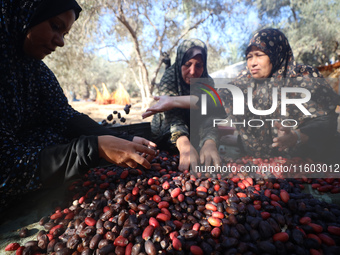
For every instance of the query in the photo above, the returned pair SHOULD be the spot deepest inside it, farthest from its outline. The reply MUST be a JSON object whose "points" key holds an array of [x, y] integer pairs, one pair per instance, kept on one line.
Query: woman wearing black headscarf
{"points": [[43, 139], [271, 64], [173, 128]]}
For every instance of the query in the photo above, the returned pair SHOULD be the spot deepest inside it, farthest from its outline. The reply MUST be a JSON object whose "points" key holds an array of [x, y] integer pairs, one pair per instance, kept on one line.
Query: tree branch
{"points": [[189, 29], [154, 76], [121, 17], [114, 46]]}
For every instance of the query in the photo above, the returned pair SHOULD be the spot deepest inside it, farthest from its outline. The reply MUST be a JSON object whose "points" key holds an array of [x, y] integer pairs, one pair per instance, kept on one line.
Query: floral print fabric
{"points": [[285, 73], [33, 108]]}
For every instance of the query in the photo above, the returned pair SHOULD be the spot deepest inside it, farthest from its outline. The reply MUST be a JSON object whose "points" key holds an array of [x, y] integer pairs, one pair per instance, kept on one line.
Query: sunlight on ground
{"points": [[99, 112]]}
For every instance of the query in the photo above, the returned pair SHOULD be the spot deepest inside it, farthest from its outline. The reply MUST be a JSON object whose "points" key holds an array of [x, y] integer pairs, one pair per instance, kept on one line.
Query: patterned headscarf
{"points": [[33, 108], [17, 16], [285, 73], [274, 43], [50, 8], [176, 122], [173, 75]]}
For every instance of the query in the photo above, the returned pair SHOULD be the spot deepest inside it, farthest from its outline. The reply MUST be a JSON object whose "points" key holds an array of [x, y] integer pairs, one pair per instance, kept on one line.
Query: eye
{"points": [[200, 65], [54, 26]]}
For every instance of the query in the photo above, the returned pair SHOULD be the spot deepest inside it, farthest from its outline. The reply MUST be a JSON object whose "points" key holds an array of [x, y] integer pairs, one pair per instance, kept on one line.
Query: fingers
{"points": [[211, 158], [137, 159], [143, 147], [280, 143], [131, 163], [184, 161], [216, 159], [145, 142], [149, 143], [275, 143], [205, 159], [142, 153], [193, 165], [143, 162], [282, 128], [202, 158], [277, 125], [148, 113], [149, 157], [152, 144], [183, 165]]}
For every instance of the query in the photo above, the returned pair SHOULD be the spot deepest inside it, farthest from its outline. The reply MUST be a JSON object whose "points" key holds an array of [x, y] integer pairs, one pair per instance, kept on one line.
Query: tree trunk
{"points": [[144, 75]]}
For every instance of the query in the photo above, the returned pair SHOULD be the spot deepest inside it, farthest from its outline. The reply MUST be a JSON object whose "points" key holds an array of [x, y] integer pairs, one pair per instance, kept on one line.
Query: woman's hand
{"points": [[143, 141], [286, 137], [165, 103], [149, 144], [209, 154], [188, 155], [123, 152]]}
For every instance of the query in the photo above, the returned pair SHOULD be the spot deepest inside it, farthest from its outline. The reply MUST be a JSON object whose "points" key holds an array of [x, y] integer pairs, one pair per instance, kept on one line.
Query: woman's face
{"points": [[192, 69], [258, 63], [42, 39]]}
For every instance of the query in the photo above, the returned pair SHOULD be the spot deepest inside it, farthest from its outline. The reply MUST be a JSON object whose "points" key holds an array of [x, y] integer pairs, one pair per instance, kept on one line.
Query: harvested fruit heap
{"points": [[164, 211]]}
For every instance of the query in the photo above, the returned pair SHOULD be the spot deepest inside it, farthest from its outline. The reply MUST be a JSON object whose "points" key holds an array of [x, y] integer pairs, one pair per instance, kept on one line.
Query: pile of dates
{"points": [[164, 211], [323, 177]]}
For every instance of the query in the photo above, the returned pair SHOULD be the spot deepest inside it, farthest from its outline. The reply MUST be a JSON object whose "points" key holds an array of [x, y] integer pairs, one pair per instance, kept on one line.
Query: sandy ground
{"points": [[100, 112]]}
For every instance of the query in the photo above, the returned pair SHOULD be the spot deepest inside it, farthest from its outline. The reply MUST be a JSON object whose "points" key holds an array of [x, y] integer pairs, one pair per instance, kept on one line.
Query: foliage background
{"points": [[121, 42]]}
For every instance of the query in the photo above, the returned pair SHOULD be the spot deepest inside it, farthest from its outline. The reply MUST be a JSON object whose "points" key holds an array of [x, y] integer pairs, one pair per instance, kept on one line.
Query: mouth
{"points": [[254, 71], [49, 50], [191, 77]]}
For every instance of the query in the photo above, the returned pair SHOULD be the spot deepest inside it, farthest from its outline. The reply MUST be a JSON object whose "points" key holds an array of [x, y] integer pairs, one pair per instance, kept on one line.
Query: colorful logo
{"points": [[209, 93]]}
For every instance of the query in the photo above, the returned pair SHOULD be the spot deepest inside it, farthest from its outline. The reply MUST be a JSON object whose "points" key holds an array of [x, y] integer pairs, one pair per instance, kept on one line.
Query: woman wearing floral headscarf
{"points": [[271, 64], [171, 128], [43, 139]]}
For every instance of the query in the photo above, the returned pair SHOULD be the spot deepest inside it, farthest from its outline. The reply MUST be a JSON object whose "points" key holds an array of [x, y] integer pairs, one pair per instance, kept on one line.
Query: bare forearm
{"points": [[183, 143], [185, 102], [167, 103]]}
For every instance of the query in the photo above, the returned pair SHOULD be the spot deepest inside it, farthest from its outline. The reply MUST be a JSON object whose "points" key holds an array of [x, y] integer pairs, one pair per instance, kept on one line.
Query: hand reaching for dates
{"points": [[149, 144], [287, 138], [188, 158], [125, 153], [188, 155], [209, 154]]}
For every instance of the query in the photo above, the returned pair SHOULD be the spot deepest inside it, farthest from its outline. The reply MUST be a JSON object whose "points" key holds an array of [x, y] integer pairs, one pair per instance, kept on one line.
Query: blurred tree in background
{"points": [[123, 41], [72, 64], [310, 25]]}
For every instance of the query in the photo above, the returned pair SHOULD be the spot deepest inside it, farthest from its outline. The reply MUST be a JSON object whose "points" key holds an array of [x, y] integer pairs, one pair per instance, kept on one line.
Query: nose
{"points": [[59, 40], [192, 69], [253, 61]]}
